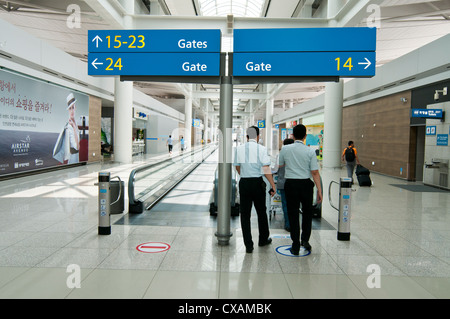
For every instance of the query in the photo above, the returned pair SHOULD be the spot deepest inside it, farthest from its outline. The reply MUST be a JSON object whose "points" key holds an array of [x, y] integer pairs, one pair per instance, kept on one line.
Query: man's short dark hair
{"points": [[288, 141], [252, 132], [299, 132], [350, 143]]}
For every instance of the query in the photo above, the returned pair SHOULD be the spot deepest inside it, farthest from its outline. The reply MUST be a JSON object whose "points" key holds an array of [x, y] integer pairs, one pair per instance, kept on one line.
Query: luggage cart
{"points": [[273, 204]]}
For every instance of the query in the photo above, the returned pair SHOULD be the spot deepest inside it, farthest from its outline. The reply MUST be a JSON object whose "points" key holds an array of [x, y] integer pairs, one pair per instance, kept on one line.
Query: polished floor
{"points": [[50, 248]]}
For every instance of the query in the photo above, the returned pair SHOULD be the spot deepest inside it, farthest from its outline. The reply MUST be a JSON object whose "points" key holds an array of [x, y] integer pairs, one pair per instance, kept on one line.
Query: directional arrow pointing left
{"points": [[95, 63]]}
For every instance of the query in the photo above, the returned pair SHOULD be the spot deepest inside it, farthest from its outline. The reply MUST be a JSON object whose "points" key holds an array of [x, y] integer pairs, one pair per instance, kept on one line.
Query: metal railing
{"points": [[152, 193]]}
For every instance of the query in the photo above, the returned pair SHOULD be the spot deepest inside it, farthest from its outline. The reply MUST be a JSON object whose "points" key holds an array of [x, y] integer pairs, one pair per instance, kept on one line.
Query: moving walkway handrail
{"points": [[131, 180]]}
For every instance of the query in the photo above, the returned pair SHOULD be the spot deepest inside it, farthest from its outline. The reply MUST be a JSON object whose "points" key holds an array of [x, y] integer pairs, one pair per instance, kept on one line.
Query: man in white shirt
{"points": [[252, 162], [301, 165]]}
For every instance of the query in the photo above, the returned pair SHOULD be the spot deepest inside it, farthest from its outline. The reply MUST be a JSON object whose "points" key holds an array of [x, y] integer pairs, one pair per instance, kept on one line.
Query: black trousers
{"points": [[299, 191], [253, 192]]}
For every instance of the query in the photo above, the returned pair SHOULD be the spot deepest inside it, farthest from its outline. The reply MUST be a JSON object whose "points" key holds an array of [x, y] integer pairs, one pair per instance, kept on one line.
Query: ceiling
{"points": [[404, 26]]}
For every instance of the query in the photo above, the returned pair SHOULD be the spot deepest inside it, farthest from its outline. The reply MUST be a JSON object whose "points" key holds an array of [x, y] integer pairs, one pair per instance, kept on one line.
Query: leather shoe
{"points": [[267, 242], [306, 245], [249, 250], [294, 252]]}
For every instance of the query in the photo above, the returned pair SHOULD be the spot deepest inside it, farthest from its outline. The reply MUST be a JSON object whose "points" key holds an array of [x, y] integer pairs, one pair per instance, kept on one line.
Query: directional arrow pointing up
{"points": [[367, 62], [96, 40]]}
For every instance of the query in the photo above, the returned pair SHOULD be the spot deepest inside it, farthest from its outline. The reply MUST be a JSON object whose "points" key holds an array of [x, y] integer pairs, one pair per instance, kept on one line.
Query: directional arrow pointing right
{"points": [[367, 62]]}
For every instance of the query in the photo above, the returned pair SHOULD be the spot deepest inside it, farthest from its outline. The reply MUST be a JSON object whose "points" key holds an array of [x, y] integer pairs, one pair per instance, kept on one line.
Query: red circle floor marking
{"points": [[153, 247]]}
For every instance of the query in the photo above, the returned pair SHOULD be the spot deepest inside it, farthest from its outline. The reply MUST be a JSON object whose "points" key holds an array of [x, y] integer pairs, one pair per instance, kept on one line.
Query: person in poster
{"points": [[68, 144]]}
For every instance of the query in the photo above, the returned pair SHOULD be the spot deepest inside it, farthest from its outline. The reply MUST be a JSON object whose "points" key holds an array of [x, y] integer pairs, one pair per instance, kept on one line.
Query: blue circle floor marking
{"points": [[285, 251]]}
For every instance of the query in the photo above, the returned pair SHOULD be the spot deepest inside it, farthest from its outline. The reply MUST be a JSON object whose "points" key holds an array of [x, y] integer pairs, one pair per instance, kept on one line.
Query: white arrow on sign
{"points": [[367, 62], [95, 63], [96, 40]]}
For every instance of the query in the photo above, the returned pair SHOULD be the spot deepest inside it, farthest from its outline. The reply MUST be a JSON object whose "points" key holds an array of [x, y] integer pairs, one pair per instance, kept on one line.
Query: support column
{"points": [[188, 120], [334, 101], [206, 134], [268, 130], [253, 104], [223, 233], [123, 121], [213, 128]]}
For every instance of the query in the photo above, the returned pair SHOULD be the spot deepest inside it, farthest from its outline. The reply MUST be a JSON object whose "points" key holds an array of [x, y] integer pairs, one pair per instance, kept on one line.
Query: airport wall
{"points": [[380, 129]]}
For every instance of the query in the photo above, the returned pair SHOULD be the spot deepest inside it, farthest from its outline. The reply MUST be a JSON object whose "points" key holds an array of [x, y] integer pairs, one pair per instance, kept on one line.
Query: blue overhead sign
{"points": [[154, 40], [261, 124], [304, 40], [427, 113], [340, 52], [342, 64], [309, 52], [154, 64], [154, 52], [196, 122]]}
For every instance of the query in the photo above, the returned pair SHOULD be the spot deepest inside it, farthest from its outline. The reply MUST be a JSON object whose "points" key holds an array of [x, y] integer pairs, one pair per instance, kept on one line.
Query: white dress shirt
{"points": [[251, 157]]}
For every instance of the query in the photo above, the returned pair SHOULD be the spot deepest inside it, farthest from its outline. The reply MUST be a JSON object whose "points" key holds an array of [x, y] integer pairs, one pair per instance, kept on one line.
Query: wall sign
{"points": [[442, 140], [430, 130], [427, 113]]}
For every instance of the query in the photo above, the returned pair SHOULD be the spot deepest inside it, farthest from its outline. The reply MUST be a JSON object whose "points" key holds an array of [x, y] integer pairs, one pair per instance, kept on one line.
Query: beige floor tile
{"points": [[310, 286], [391, 287], [114, 284], [184, 285], [245, 285]]}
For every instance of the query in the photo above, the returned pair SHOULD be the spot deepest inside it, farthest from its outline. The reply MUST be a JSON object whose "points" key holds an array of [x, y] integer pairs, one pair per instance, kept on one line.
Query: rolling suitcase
{"points": [[364, 180], [363, 176], [361, 170]]}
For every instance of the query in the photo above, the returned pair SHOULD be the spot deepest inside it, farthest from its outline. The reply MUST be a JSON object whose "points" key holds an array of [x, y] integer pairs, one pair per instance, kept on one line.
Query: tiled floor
{"points": [[48, 236]]}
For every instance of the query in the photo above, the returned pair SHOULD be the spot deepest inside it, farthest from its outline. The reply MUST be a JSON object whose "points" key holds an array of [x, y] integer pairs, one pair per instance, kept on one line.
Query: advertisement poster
{"points": [[41, 125]]}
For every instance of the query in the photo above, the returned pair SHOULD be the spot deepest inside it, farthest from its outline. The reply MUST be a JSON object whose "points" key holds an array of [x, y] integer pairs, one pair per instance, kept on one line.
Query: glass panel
{"points": [[241, 8]]}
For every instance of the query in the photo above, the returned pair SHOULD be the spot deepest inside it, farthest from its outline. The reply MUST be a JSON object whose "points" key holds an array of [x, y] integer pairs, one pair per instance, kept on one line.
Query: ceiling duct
{"points": [[164, 7], [146, 4], [230, 24]]}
